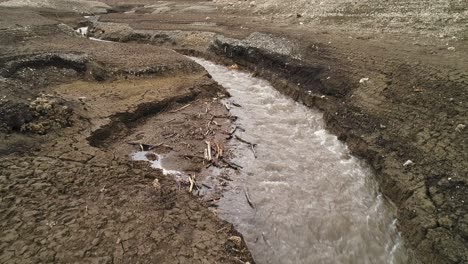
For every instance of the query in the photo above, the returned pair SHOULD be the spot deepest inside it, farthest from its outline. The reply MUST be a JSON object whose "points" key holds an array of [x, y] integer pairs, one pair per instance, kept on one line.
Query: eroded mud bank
{"points": [[406, 119], [429, 190]]}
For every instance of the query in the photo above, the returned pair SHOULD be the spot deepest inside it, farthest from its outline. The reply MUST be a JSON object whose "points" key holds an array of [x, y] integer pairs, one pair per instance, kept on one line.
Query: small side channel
{"points": [[312, 202]]}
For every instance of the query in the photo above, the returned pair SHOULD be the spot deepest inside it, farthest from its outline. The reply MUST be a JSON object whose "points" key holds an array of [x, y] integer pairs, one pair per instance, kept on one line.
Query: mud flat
{"points": [[66, 195]]}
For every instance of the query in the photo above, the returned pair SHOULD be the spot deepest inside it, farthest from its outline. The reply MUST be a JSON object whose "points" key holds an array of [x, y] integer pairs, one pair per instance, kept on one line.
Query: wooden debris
{"points": [[232, 164], [231, 134], [219, 151], [226, 178], [182, 108], [206, 186], [253, 150], [208, 151], [252, 145], [191, 183], [227, 226], [247, 196], [170, 135]]}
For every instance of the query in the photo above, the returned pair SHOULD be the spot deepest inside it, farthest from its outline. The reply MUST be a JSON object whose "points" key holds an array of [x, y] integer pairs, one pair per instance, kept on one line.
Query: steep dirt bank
{"points": [[66, 196], [424, 177], [402, 107]]}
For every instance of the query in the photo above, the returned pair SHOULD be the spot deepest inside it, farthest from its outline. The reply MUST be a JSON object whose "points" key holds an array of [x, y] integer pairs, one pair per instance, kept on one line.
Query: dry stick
{"points": [[253, 150], [234, 131], [191, 183], [246, 192], [222, 229], [219, 151], [208, 150], [182, 108], [206, 186], [232, 165]]}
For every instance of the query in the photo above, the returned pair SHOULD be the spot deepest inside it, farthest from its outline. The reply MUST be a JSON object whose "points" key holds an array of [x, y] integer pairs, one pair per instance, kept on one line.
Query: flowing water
{"points": [[314, 202]]}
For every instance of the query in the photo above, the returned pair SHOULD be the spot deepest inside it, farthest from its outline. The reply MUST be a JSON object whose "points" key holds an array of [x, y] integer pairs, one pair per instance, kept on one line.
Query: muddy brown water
{"points": [[314, 202]]}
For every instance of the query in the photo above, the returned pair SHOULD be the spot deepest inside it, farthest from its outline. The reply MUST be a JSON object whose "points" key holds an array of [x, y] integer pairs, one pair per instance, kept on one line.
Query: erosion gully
{"points": [[302, 197], [312, 202]]}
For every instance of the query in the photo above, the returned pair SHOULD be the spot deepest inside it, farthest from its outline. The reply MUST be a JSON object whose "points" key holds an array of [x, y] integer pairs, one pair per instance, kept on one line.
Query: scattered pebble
{"points": [[460, 128], [408, 163], [236, 240], [156, 184], [363, 80]]}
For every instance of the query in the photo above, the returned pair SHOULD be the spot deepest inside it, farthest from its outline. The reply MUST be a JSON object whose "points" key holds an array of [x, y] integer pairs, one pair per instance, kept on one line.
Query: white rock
{"points": [[408, 163], [363, 80]]}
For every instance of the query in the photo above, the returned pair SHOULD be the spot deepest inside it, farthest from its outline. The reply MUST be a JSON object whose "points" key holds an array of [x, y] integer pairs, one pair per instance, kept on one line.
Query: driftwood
{"points": [[206, 186], [247, 196], [231, 134], [231, 164], [179, 109], [191, 183], [170, 135], [226, 178], [219, 151], [208, 151], [252, 145]]}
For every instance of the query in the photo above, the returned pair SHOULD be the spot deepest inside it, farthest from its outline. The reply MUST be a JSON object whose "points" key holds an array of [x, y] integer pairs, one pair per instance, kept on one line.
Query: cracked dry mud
{"points": [[70, 194], [66, 195]]}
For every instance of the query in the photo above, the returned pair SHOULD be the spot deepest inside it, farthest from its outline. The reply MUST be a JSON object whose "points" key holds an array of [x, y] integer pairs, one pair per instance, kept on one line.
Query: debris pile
{"points": [[48, 112]]}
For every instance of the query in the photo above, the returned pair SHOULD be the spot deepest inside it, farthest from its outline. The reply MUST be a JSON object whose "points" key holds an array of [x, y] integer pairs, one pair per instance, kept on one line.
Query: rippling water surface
{"points": [[314, 202]]}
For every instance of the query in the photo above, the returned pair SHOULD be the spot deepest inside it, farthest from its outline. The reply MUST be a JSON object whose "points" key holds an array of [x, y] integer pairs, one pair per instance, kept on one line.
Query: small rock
{"points": [[451, 48], [156, 184], [151, 156], [460, 127], [236, 240], [408, 163], [363, 80]]}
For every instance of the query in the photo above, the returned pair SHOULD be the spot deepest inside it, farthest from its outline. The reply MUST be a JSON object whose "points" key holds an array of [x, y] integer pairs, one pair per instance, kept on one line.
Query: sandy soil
{"points": [[398, 99]]}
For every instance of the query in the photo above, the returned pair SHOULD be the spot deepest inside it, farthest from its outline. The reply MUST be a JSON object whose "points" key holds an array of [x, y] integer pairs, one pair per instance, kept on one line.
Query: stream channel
{"points": [[314, 202]]}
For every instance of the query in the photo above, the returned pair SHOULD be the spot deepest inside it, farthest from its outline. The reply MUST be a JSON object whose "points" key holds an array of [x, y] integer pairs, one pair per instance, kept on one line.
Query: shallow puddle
{"points": [[314, 202], [155, 160]]}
